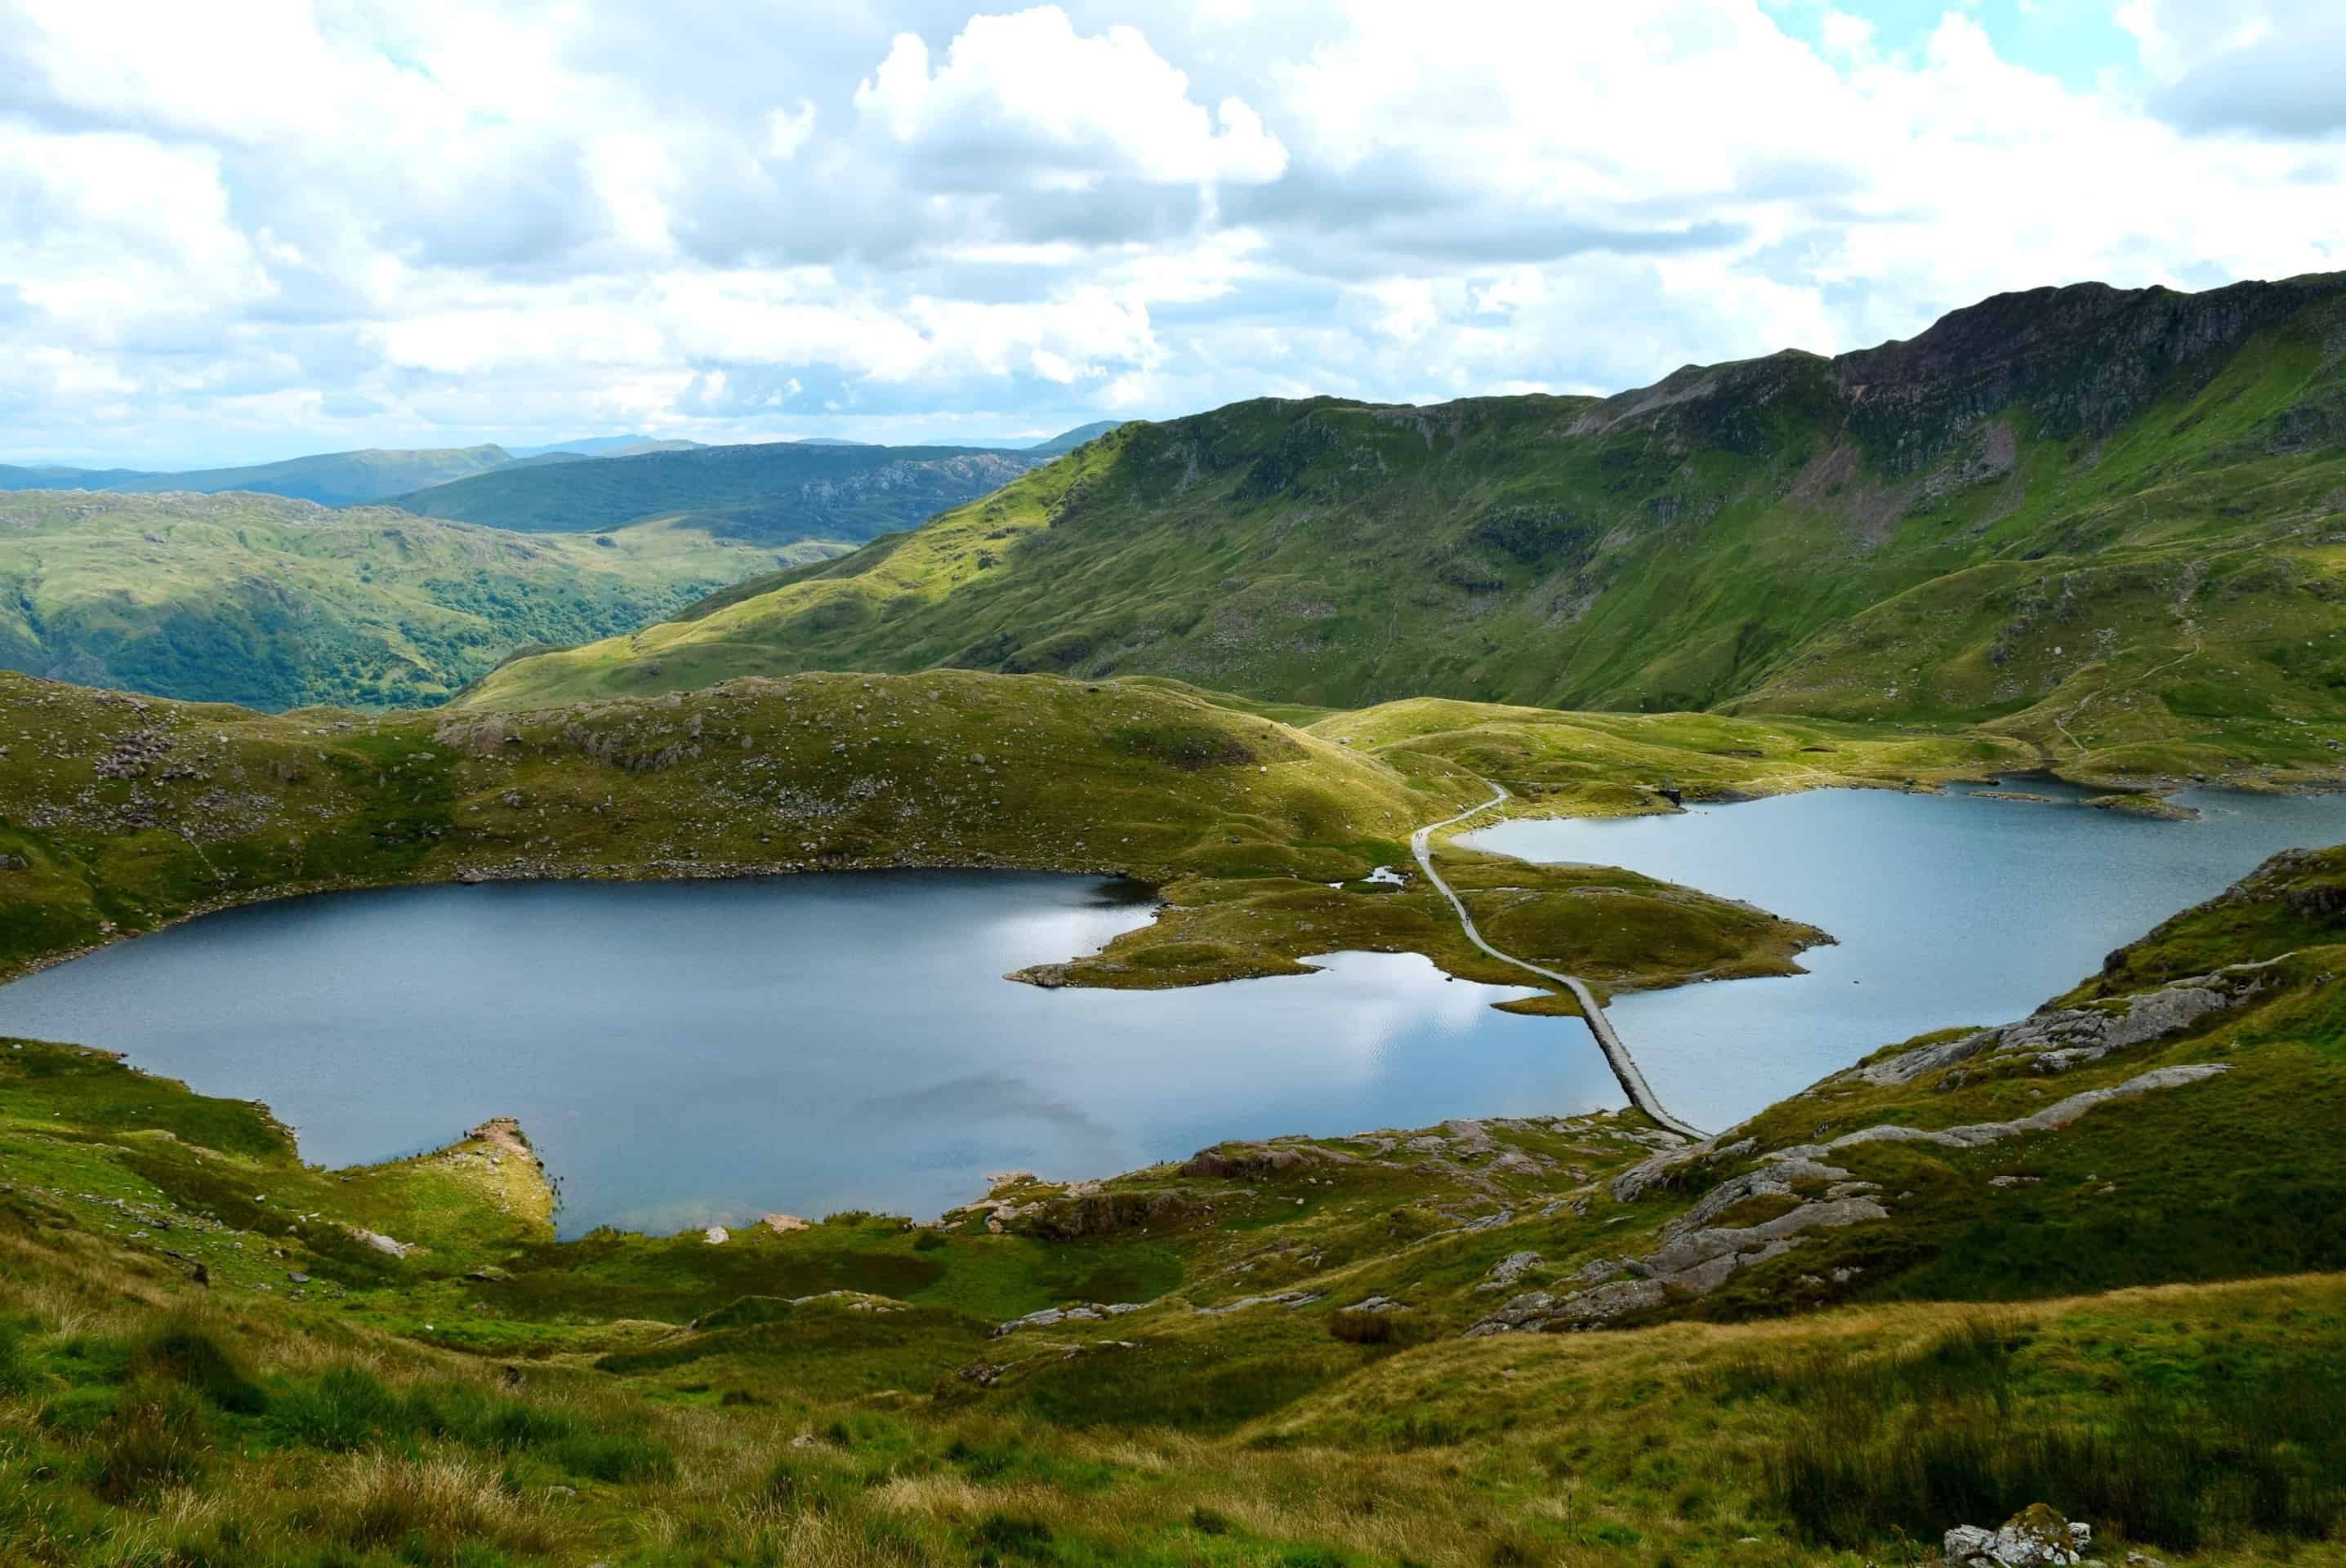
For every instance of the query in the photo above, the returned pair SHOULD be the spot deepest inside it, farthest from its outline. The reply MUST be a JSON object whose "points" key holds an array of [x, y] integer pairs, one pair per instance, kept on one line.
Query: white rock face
{"points": [[716, 1236]]}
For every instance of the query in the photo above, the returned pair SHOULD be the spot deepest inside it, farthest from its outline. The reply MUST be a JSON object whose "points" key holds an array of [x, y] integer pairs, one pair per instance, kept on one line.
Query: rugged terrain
{"points": [[277, 603], [1822, 1336], [2110, 522]]}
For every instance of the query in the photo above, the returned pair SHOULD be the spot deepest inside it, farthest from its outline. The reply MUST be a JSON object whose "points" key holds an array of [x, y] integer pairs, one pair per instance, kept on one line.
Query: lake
{"points": [[1950, 909], [693, 1052]]}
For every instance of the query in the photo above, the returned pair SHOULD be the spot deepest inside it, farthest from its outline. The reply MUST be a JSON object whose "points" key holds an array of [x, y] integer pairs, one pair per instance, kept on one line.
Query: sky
{"points": [[232, 234]]}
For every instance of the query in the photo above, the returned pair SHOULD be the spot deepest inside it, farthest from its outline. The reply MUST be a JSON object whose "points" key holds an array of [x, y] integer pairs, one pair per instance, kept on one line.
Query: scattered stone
{"points": [[1290, 1299]]}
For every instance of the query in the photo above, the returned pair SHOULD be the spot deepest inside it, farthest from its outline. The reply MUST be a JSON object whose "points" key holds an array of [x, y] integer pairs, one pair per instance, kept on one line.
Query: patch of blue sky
{"points": [[2077, 42]]}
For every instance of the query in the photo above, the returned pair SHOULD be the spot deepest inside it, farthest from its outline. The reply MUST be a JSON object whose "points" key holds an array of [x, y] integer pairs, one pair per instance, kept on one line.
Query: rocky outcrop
{"points": [[1509, 1270], [2083, 359], [2058, 1039], [1696, 1257], [1074, 1312], [1246, 1162], [2036, 1537], [1079, 1214], [2059, 1115]]}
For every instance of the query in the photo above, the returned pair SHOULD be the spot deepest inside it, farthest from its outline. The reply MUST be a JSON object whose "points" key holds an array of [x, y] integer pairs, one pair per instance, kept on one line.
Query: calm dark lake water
{"points": [[691, 1052], [1950, 909]]}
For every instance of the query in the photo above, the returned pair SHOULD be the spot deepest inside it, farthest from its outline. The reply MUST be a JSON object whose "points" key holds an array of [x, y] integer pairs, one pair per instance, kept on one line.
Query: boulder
{"points": [[2036, 1537]]}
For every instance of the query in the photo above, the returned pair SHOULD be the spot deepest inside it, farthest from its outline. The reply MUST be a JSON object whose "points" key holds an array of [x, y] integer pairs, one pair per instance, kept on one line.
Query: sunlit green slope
{"points": [[2083, 504]]}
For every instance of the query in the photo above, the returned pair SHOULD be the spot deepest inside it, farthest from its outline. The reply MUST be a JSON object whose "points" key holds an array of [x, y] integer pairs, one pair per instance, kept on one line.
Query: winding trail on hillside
{"points": [[1616, 1055]]}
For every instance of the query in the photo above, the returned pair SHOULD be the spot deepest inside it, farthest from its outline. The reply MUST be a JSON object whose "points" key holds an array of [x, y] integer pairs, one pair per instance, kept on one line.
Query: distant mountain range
{"points": [[113, 578], [774, 493], [331, 479], [355, 478]]}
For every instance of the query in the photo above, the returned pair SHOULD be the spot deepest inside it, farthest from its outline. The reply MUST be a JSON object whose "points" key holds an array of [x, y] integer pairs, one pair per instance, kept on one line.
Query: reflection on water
{"points": [[690, 1051], [1950, 909]]}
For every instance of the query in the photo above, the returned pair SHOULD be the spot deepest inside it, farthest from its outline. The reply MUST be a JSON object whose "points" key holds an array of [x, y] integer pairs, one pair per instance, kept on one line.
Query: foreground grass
{"points": [[138, 1427]]}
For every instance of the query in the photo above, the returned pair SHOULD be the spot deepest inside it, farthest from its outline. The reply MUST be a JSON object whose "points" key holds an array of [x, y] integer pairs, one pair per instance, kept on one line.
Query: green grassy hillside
{"points": [[276, 602], [774, 493], [2109, 522], [1813, 1341], [126, 813]]}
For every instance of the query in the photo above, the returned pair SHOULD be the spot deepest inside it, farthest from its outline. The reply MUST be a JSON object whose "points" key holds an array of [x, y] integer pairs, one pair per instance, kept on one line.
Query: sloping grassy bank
{"points": [[119, 814]]}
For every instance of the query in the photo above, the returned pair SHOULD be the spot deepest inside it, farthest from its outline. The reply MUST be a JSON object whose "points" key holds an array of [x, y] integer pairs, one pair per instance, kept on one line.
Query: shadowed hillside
{"points": [[774, 493]]}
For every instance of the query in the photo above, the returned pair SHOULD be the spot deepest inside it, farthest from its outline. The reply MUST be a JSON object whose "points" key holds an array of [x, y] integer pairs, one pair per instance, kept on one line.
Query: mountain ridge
{"points": [[2116, 463]]}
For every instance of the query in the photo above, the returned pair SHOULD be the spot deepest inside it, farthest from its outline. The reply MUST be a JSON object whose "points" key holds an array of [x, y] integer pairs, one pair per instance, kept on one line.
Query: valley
{"points": [[1224, 802], [281, 603]]}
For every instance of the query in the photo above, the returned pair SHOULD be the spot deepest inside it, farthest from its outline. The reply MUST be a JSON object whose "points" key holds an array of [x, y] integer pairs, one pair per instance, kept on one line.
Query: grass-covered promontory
{"points": [[119, 814], [1821, 1340], [277, 603], [2111, 524]]}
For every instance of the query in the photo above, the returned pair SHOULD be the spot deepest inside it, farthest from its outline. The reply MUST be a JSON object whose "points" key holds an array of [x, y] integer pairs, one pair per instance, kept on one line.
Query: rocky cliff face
{"points": [[2083, 359]]}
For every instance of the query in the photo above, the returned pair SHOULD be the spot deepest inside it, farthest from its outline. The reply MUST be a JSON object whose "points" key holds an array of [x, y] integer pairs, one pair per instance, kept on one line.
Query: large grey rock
{"points": [[2036, 1537], [2058, 1039]]}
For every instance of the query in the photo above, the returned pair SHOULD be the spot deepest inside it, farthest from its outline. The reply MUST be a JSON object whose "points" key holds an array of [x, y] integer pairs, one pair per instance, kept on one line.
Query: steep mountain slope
{"points": [[277, 603], [330, 478], [774, 493], [2123, 508]]}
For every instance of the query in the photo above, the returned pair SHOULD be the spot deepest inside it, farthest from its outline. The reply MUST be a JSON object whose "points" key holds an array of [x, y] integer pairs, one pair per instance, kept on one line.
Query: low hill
{"points": [[774, 493], [2112, 521], [331, 478], [1068, 441], [53, 477], [276, 602]]}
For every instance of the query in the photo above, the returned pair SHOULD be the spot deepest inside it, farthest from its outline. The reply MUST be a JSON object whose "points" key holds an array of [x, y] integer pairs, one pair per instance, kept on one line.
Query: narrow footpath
{"points": [[1624, 1066]]}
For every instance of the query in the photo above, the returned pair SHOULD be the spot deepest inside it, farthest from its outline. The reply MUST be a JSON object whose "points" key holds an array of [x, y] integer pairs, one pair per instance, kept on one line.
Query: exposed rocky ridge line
{"points": [[2055, 1040], [1695, 1258]]}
